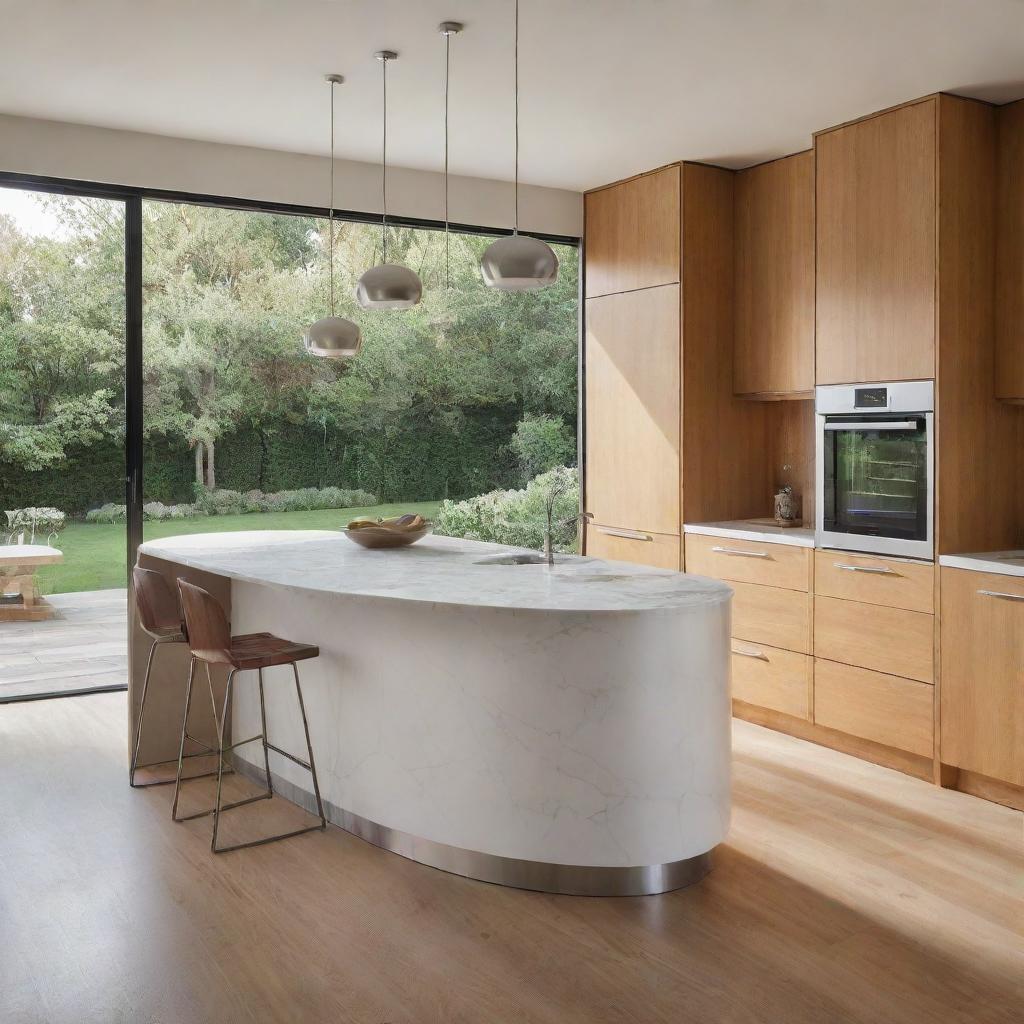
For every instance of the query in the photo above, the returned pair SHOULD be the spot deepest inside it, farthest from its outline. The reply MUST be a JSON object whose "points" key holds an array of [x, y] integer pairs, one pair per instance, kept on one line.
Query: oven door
{"points": [[875, 483]]}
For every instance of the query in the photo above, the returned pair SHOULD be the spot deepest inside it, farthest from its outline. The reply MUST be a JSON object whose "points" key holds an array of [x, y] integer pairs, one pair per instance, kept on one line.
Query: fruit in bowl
{"points": [[395, 532]]}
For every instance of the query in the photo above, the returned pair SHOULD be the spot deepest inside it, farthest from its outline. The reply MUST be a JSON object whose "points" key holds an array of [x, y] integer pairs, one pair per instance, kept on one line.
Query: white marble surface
{"points": [[436, 570], [1006, 563], [519, 720], [742, 529]]}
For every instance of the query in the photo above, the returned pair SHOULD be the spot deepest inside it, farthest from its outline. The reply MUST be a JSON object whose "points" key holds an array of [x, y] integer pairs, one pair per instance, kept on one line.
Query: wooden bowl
{"points": [[382, 537]]}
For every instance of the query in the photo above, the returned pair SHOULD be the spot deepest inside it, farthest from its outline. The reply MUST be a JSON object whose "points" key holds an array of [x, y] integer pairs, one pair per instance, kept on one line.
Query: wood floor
{"points": [[85, 647], [846, 892]]}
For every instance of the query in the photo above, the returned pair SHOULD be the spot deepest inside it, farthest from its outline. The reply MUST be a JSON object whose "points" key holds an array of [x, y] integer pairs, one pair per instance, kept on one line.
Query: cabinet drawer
{"points": [[774, 565], [883, 708], [893, 582], [770, 615], [658, 549], [770, 678], [891, 640]]}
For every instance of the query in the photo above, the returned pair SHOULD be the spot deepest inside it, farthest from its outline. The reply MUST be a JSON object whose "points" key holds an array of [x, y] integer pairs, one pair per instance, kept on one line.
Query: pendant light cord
{"points": [[516, 50], [384, 167], [330, 212], [447, 237]]}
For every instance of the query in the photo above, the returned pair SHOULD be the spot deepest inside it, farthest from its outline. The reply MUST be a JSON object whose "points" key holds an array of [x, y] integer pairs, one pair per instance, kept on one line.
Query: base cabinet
{"points": [[981, 702], [656, 549], [769, 677], [874, 706]]}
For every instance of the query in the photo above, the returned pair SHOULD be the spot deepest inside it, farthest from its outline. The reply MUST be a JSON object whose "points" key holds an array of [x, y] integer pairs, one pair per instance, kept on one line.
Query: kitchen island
{"points": [[559, 728]]}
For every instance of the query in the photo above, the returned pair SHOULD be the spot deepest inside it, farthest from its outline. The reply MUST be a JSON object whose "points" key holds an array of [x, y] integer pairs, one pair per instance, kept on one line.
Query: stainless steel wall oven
{"points": [[875, 468]]}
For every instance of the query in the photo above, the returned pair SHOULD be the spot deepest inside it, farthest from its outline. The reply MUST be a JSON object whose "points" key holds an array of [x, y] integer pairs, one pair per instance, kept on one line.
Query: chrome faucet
{"points": [[550, 527]]}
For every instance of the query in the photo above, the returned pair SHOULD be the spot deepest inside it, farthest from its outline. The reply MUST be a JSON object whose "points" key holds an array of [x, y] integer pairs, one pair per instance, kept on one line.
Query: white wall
{"points": [[62, 150]]}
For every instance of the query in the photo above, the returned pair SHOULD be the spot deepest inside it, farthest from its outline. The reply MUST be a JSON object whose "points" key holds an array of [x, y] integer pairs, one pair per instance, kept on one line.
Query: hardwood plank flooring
{"points": [[86, 646], [845, 893]]}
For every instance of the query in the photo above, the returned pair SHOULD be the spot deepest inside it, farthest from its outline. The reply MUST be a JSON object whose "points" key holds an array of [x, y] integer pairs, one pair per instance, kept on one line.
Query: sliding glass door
{"points": [[471, 391], [62, 444]]}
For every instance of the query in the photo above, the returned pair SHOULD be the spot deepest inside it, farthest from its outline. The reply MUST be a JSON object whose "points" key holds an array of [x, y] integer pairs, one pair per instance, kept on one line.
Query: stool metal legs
{"points": [[219, 807], [219, 721], [135, 766]]}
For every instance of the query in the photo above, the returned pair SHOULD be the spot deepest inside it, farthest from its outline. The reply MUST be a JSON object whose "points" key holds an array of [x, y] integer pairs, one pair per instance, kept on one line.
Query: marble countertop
{"points": [[436, 570], [1005, 563], [746, 529]]}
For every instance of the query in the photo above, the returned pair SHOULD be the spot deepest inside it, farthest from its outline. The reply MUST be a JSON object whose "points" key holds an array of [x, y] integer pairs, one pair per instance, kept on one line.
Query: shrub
{"points": [[109, 513], [541, 443], [158, 510], [45, 521], [515, 517]]}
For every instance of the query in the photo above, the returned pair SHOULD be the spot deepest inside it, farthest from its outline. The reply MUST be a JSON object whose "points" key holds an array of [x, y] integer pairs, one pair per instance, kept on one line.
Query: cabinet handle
{"points": [[740, 551], [877, 569], [758, 655], [1003, 594], [613, 531]]}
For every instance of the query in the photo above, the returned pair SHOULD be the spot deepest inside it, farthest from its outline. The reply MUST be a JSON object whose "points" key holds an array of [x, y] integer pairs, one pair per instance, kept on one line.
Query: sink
{"points": [[519, 558]]}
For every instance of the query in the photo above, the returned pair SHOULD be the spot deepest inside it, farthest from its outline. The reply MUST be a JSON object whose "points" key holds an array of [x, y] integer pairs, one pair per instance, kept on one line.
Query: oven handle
{"points": [[875, 425]]}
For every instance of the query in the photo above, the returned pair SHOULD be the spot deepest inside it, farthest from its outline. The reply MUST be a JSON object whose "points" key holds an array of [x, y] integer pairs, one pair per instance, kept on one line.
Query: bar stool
{"points": [[211, 642], [160, 619]]}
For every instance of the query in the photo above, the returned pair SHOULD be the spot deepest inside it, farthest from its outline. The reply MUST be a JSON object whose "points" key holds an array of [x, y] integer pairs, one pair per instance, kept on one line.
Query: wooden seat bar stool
{"points": [[160, 618], [211, 642]]}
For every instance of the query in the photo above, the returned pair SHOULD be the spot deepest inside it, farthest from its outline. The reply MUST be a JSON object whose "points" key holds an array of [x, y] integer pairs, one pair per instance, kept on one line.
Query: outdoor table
{"points": [[18, 565]]}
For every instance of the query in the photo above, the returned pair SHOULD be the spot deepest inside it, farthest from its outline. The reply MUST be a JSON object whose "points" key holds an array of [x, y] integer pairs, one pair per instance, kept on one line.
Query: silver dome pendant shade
{"points": [[518, 263], [333, 337], [387, 285]]}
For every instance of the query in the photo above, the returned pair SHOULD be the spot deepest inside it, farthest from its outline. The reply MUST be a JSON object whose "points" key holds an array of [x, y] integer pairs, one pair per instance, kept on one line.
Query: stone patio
{"points": [[85, 648]]}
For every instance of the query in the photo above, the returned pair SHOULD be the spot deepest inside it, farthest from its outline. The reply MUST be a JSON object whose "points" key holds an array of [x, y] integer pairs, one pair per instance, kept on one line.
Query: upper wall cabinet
{"points": [[876, 248], [1010, 255], [774, 253], [632, 234]]}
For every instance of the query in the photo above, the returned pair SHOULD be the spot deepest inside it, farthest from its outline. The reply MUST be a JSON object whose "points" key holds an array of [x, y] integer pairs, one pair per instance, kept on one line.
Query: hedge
{"points": [[411, 463]]}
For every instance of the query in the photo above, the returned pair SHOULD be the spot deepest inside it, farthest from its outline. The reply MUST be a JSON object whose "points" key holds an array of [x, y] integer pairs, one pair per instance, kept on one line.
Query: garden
{"points": [[459, 409]]}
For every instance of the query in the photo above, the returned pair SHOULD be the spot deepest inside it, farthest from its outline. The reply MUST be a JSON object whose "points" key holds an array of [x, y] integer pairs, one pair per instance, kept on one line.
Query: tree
{"points": [[227, 296]]}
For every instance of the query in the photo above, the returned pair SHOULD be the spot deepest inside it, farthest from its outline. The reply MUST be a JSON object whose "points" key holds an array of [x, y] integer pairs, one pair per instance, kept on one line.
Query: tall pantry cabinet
{"points": [[666, 440]]}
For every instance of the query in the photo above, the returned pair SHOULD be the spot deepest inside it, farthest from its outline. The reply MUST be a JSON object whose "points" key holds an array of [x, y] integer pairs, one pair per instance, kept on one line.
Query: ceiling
{"points": [[608, 87]]}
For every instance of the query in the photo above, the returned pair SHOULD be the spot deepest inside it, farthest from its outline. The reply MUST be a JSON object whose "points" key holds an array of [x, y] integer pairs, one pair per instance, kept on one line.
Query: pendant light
{"points": [[447, 29], [518, 263], [388, 285], [333, 337]]}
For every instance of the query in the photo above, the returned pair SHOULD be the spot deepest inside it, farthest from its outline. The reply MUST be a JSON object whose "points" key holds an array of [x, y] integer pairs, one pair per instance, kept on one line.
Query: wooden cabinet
{"points": [[876, 247], [1010, 254], [632, 234], [774, 254], [982, 682], [891, 640], [892, 582], [656, 549], [632, 403], [771, 678], [874, 706], [749, 561], [769, 615]]}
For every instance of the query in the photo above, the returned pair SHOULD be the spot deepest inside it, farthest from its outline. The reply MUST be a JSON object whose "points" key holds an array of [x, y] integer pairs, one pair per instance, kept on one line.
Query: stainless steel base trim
{"points": [[540, 876]]}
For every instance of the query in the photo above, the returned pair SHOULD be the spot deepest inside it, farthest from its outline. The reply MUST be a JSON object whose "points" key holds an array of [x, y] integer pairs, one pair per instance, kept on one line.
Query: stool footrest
{"points": [[291, 757], [268, 839], [224, 807], [242, 743]]}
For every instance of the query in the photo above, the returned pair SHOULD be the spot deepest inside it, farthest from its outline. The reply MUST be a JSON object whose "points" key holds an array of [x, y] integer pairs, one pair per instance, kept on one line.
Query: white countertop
{"points": [[438, 570], [745, 529], [1005, 563]]}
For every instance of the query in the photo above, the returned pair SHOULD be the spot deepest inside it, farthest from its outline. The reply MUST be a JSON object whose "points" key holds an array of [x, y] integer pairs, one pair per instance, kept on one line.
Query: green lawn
{"points": [[95, 556]]}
